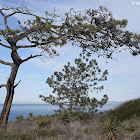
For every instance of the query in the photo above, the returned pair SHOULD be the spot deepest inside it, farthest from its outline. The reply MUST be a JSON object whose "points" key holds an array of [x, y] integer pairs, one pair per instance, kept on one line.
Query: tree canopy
{"points": [[95, 31], [72, 85]]}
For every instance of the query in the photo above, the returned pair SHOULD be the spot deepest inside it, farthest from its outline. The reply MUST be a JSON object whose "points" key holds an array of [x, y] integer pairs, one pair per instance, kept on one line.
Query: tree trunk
{"points": [[17, 61], [9, 97], [71, 104]]}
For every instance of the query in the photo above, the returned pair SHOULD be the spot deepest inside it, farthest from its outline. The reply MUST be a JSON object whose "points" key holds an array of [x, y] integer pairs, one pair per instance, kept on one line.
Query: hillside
{"points": [[123, 121]]}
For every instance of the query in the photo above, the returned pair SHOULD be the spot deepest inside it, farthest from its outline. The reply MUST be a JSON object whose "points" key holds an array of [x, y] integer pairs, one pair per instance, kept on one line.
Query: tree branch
{"points": [[43, 43], [21, 10], [5, 20], [29, 39], [5, 63], [26, 32], [27, 46], [13, 14], [30, 57], [17, 84], [5, 46], [2, 85]]}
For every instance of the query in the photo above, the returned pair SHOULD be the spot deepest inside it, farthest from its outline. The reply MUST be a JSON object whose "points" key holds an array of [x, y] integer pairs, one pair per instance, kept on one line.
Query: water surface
{"points": [[42, 109]]}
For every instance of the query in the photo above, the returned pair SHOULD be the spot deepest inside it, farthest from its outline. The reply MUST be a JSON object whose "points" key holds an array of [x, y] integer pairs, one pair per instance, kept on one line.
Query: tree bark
{"points": [[10, 85], [10, 89], [9, 98]]}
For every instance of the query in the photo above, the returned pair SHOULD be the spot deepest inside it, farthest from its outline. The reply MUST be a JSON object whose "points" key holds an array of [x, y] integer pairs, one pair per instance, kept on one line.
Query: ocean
{"points": [[42, 109]]}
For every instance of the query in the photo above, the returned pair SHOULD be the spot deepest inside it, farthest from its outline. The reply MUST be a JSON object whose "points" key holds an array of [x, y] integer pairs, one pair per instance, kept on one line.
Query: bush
{"points": [[82, 116], [64, 117], [43, 121], [127, 110], [19, 118]]}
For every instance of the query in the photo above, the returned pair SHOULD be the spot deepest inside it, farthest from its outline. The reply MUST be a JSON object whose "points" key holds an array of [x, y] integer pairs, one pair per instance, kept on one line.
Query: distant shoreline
{"points": [[108, 103]]}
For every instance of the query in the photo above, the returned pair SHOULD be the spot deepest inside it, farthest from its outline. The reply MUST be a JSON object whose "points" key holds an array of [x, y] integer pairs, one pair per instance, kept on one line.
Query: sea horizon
{"points": [[109, 102], [44, 109]]}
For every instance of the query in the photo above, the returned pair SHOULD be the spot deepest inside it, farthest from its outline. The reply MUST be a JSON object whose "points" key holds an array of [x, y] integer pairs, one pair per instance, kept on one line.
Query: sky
{"points": [[124, 73]]}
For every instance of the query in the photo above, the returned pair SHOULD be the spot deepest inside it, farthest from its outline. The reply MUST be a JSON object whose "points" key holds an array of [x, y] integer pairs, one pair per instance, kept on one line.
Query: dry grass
{"points": [[87, 127], [93, 128]]}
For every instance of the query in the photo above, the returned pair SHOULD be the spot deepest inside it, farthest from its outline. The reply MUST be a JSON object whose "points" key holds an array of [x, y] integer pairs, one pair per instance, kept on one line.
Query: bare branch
{"points": [[5, 20], [30, 57], [30, 40], [2, 13], [17, 84], [6, 63], [13, 14], [2, 85], [21, 10], [27, 46], [5, 46]]}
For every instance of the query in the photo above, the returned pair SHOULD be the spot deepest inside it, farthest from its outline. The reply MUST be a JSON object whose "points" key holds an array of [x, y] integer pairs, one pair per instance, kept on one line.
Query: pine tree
{"points": [[72, 85], [95, 31]]}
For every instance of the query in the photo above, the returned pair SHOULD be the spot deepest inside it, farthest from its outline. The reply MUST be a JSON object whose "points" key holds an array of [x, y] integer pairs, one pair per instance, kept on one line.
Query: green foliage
{"points": [[43, 121], [111, 124], [127, 110], [73, 84], [82, 116], [67, 117], [19, 118], [30, 115], [96, 31], [64, 117]]}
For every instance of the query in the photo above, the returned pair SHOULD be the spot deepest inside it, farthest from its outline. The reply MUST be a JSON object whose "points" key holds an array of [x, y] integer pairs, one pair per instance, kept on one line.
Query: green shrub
{"points": [[43, 121], [127, 110], [111, 124], [30, 115], [82, 116], [64, 117], [19, 118]]}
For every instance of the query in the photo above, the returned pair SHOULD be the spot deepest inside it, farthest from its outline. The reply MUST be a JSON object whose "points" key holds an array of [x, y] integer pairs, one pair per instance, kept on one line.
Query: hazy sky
{"points": [[124, 74]]}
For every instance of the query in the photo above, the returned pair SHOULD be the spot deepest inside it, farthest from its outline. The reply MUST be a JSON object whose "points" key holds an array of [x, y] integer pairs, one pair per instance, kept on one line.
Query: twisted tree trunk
{"points": [[10, 88], [10, 85], [9, 98]]}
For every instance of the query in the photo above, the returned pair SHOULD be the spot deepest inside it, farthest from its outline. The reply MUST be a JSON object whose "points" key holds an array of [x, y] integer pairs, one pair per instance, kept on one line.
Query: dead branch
{"points": [[2, 85], [17, 84], [27, 46], [6, 63], [5, 46], [30, 57], [5, 20]]}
